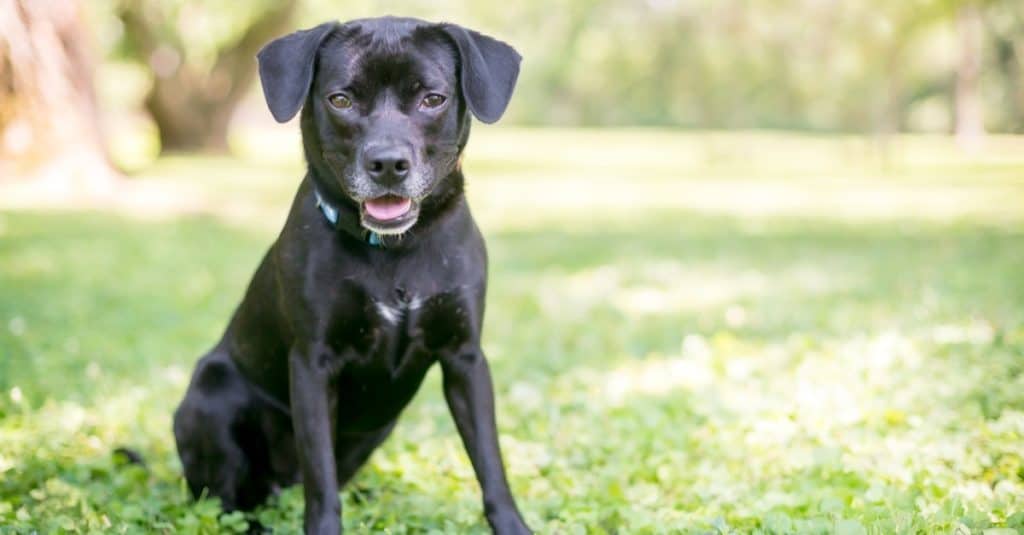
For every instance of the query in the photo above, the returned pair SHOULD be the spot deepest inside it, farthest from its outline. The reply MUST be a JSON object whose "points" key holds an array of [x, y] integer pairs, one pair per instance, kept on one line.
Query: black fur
{"points": [[334, 335]]}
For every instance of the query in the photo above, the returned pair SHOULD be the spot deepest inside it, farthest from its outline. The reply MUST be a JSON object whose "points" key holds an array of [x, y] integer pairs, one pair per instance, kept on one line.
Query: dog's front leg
{"points": [[470, 395], [312, 419]]}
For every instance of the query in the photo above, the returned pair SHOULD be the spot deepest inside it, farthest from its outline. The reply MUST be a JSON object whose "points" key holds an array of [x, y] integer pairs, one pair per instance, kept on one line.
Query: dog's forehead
{"points": [[387, 49], [387, 30]]}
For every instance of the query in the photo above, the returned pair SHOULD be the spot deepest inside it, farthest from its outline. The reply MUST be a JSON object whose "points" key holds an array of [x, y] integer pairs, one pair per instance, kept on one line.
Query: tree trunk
{"points": [[1013, 71], [1010, 69], [1016, 86], [49, 126], [192, 106], [969, 120]]}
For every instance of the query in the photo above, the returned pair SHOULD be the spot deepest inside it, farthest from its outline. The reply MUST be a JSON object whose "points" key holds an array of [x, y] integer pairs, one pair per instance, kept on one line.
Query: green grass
{"points": [[708, 333]]}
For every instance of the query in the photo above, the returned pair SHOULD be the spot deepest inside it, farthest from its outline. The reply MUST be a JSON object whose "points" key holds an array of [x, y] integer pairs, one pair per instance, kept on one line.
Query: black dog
{"points": [[379, 272]]}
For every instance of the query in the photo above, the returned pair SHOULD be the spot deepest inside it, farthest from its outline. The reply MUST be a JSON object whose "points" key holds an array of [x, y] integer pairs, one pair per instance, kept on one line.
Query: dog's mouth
{"points": [[389, 214]]}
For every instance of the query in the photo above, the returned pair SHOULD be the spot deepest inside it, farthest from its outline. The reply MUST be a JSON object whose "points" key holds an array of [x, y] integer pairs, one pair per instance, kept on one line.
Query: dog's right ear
{"points": [[286, 69]]}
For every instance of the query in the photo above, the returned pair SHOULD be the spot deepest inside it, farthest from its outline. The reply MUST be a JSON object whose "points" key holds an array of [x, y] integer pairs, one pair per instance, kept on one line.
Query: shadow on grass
{"points": [[89, 299]]}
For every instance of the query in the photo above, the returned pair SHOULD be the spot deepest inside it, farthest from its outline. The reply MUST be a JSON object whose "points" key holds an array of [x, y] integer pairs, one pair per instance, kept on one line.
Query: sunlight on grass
{"points": [[689, 332], [620, 174]]}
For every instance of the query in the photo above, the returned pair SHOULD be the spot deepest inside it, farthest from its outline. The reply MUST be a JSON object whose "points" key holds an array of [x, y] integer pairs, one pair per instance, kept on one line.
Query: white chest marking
{"points": [[393, 313], [389, 313]]}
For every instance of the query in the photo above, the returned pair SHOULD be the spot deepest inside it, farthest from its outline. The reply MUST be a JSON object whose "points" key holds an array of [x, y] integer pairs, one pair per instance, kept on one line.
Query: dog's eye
{"points": [[433, 100], [340, 101]]}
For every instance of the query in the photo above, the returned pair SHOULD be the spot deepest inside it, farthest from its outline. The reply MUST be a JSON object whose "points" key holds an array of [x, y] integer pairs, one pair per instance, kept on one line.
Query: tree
{"points": [[48, 117], [1004, 25], [198, 80]]}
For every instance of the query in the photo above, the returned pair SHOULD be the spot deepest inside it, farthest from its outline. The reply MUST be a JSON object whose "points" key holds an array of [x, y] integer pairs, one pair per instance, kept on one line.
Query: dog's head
{"points": [[385, 106]]}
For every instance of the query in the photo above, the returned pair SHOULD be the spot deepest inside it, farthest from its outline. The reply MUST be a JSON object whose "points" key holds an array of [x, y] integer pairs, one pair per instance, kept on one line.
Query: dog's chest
{"points": [[387, 345], [391, 330]]}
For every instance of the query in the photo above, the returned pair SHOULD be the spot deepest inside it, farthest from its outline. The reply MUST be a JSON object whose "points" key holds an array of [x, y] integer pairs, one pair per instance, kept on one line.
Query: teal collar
{"points": [[354, 228]]}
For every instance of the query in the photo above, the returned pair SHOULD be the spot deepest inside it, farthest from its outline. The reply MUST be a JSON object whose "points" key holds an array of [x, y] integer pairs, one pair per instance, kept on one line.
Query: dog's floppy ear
{"points": [[286, 69], [489, 71]]}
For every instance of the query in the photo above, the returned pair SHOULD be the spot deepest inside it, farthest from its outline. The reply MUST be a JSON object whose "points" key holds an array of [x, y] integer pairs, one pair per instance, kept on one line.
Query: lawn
{"points": [[689, 332]]}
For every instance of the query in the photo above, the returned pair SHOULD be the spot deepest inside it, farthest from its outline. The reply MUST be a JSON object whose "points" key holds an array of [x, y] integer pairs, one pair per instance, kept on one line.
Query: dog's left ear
{"points": [[286, 69], [489, 71]]}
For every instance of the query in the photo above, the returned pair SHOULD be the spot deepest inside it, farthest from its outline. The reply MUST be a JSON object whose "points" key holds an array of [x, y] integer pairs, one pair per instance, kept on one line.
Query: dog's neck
{"points": [[344, 221], [343, 215]]}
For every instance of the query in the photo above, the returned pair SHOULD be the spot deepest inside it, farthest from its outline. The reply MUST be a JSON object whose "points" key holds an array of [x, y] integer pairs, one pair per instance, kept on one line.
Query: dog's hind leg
{"points": [[223, 447]]}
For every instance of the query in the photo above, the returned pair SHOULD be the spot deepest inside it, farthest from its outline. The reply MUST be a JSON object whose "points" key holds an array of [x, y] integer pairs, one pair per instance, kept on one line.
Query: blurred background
{"points": [[756, 265], [138, 78]]}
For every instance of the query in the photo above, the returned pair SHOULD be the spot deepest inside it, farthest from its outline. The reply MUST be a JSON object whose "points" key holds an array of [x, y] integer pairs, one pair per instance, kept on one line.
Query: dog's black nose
{"points": [[387, 163]]}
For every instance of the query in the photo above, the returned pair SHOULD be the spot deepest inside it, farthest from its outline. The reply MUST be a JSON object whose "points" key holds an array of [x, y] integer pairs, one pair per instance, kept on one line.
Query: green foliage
{"points": [[751, 334], [855, 65], [197, 30], [861, 65]]}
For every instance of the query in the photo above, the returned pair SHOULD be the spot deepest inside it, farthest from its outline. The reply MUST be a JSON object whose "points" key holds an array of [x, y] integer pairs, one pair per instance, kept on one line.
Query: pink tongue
{"points": [[387, 207]]}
